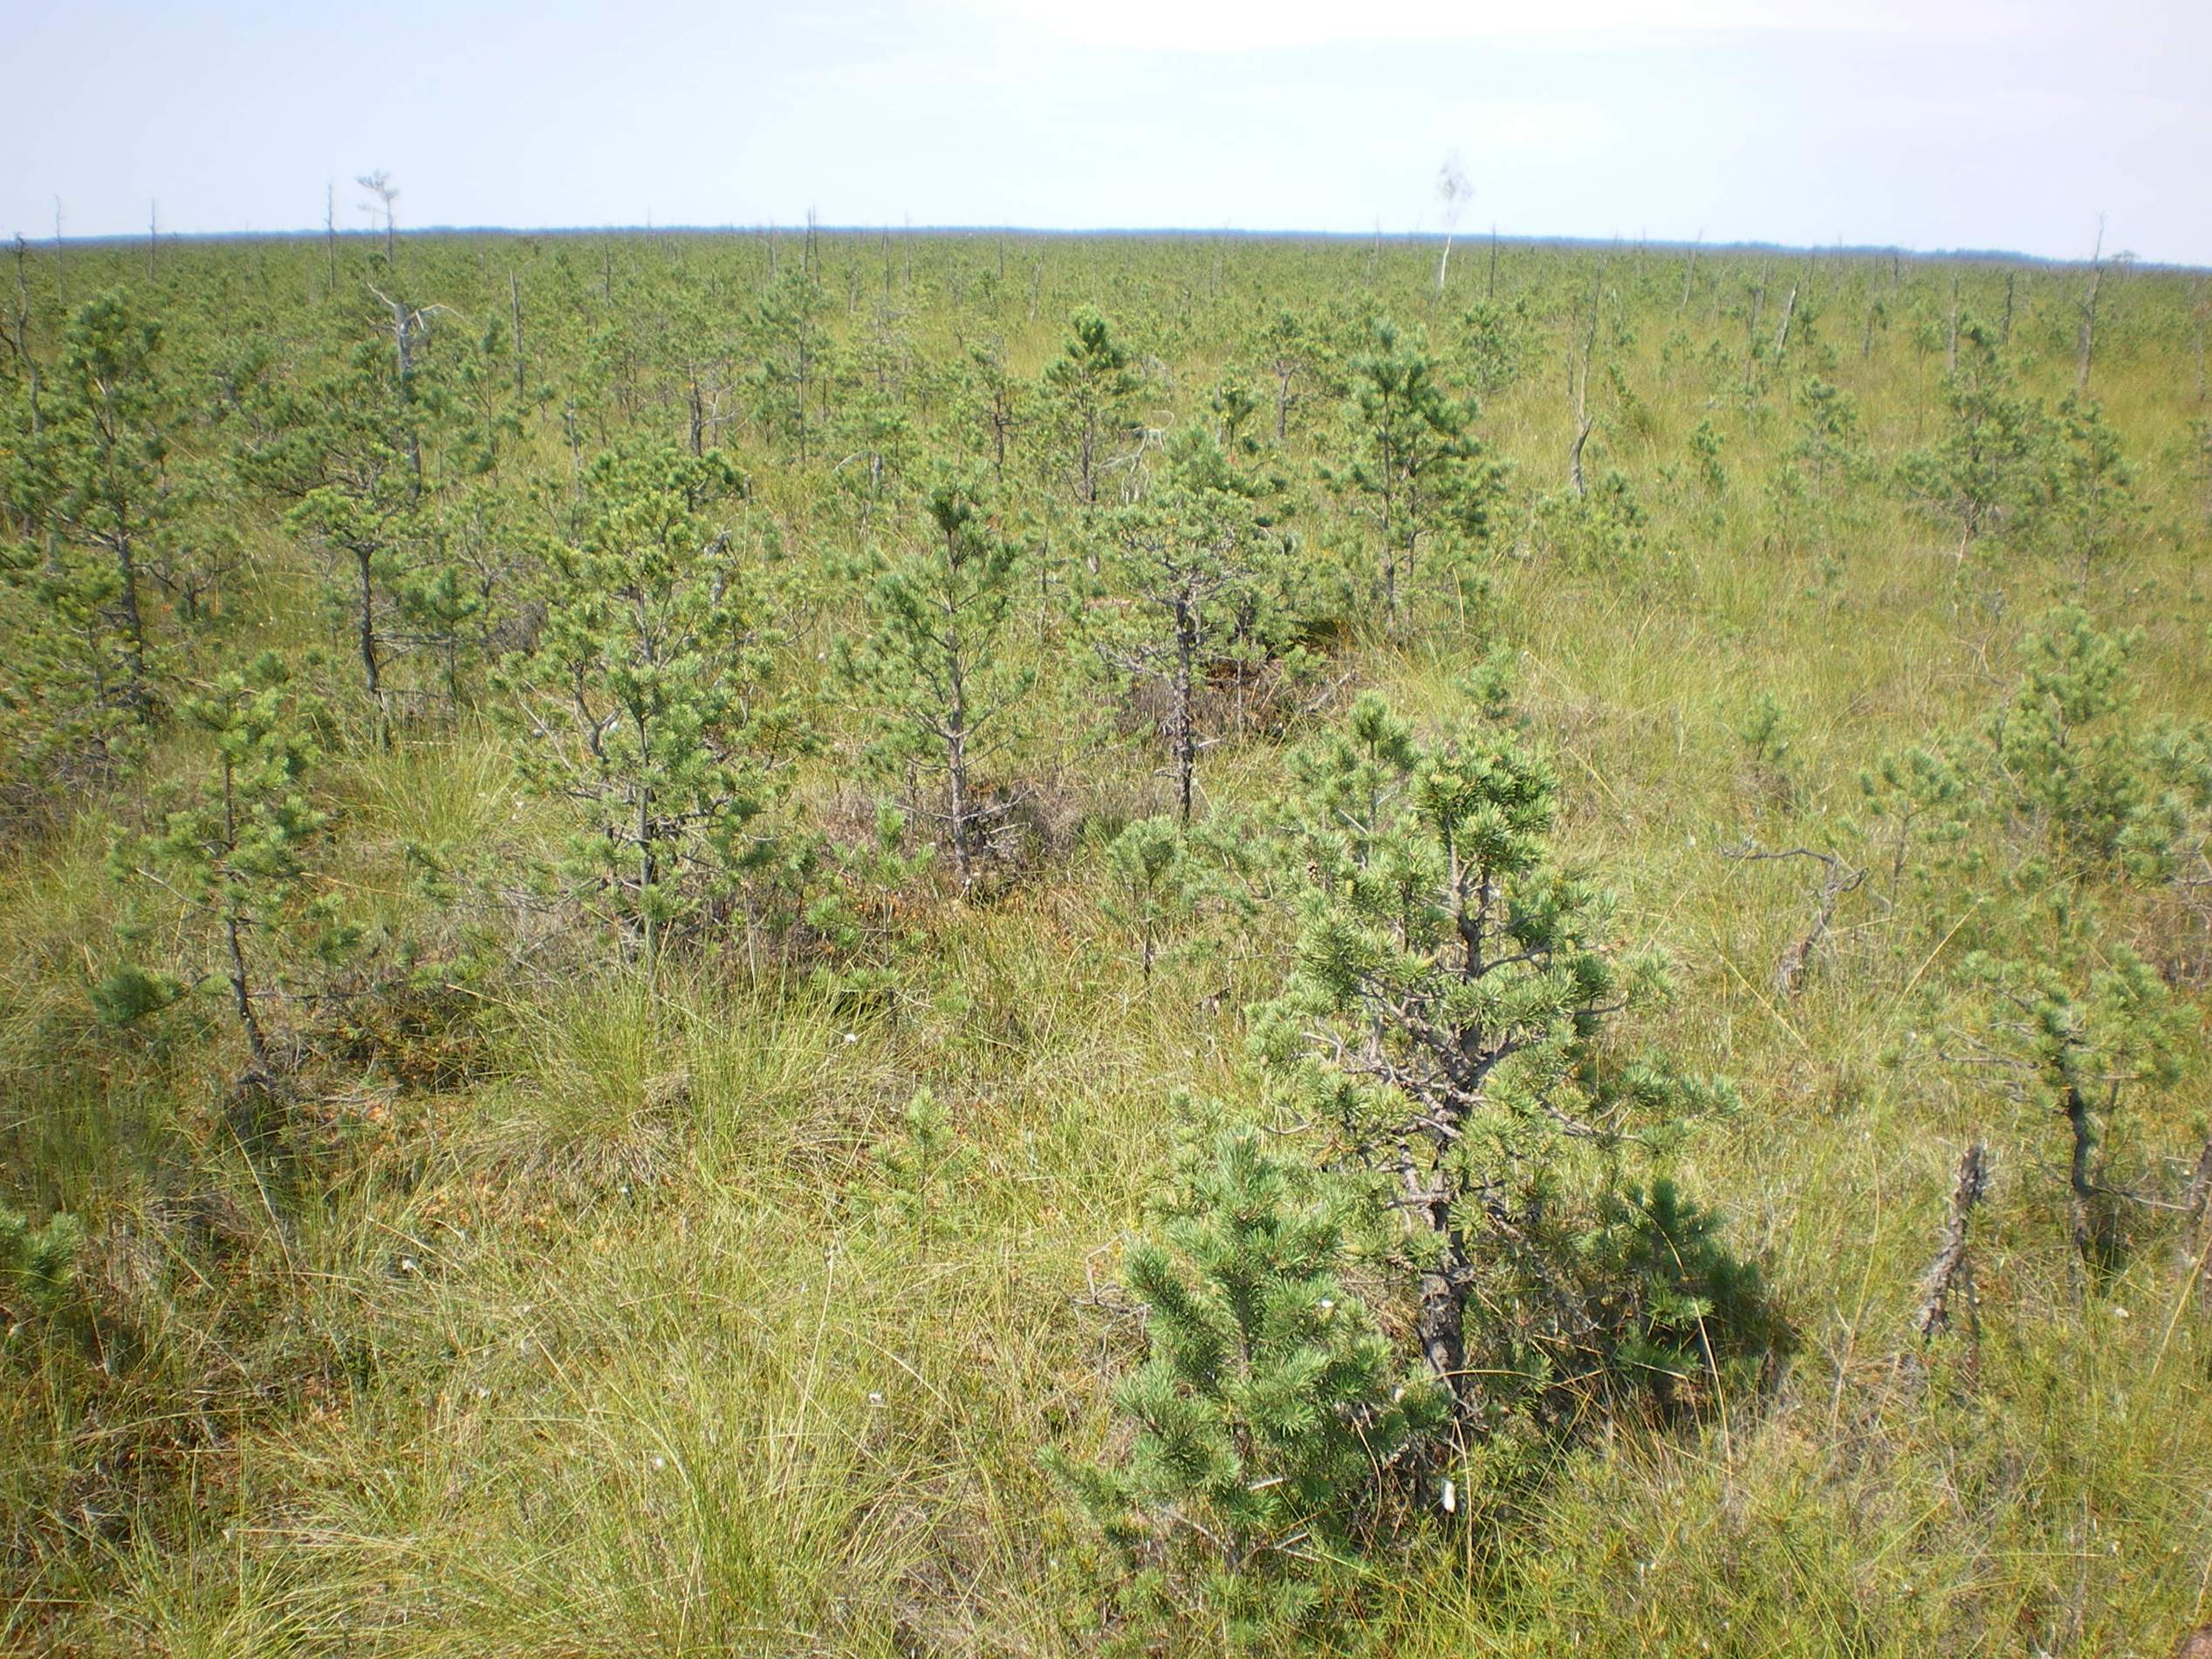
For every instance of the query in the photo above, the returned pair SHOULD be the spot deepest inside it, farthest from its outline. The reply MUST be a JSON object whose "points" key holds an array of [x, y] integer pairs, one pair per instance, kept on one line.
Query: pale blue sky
{"points": [[1925, 123]]}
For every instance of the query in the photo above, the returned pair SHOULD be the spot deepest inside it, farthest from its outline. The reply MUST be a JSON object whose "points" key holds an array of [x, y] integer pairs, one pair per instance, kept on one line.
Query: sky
{"points": [[1922, 124]]}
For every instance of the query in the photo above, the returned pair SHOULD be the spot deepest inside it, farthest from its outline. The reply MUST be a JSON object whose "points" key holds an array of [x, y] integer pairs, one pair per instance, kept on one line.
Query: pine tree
{"points": [[1091, 389], [2089, 508], [2078, 1054], [1151, 885], [99, 476], [645, 703], [1270, 1418], [922, 1164], [789, 342], [2066, 755], [1290, 353], [222, 882], [1495, 344], [932, 668], [1444, 1019], [1182, 583], [1415, 472], [348, 453], [993, 404], [38, 1265], [1981, 472], [1830, 450]]}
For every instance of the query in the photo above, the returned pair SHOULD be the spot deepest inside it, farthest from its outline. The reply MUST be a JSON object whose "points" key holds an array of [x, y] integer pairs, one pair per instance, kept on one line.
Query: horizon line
{"points": [[769, 228]]}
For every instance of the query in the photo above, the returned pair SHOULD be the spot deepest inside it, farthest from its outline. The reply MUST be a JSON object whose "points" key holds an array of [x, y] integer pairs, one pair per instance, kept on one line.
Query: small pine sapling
{"points": [[921, 1165], [2064, 748], [646, 704], [1089, 395], [1764, 732], [2090, 509], [1443, 1020], [2078, 1054], [1270, 1417], [37, 1267], [95, 477], [1414, 472], [1981, 473], [1183, 581], [227, 865], [1679, 1314], [933, 673], [1919, 795], [1152, 883]]}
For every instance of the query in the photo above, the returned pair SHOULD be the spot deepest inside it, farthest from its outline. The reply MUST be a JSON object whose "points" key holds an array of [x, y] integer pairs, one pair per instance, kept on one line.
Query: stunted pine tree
{"points": [[788, 342], [100, 478], [1446, 1020], [1290, 353], [2091, 509], [931, 673], [1982, 468], [1830, 451], [993, 404], [221, 884], [1181, 574], [348, 453], [2080, 1056], [1270, 1416], [1090, 390], [646, 704], [1414, 472], [2076, 761], [1152, 882]]}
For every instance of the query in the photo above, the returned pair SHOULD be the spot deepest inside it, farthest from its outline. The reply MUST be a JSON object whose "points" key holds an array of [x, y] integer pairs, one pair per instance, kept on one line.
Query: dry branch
{"points": [[1952, 1271]]}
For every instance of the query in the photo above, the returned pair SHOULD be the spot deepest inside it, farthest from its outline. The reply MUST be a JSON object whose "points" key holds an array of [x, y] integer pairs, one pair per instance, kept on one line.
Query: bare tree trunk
{"points": [[1951, 1274], [1578, 387], [233, 931], [2081, 1189], [1951, 359], [372, 669], [1583, 423], [514, 304], [1186, 734], [2089, 310]]}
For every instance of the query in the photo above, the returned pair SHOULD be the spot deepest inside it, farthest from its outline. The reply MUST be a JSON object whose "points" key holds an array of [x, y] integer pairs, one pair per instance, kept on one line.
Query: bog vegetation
{"points": [[979, 945]]}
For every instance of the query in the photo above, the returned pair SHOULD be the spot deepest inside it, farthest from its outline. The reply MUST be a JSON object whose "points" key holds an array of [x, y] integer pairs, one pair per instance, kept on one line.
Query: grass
{"points": [[618, 1341]]}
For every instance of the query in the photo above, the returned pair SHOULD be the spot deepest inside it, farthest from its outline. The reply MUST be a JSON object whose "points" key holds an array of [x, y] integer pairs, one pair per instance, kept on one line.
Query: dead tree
{"points": [[2196, 1228], [1950, 1279], [1782, 334], [1578, 387], [1752, 331], [514, 301], [2088, 305], [379, 184], [1837, 879]]}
